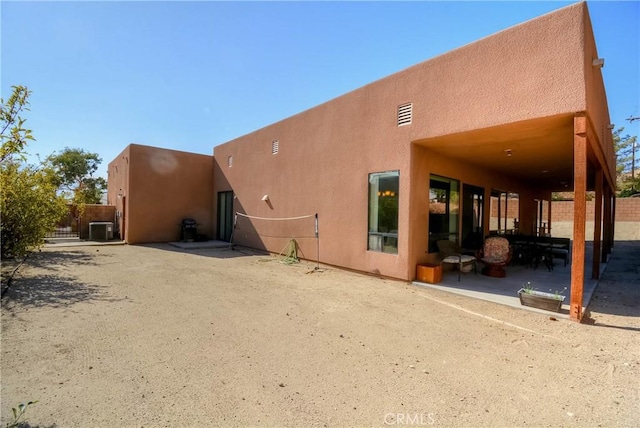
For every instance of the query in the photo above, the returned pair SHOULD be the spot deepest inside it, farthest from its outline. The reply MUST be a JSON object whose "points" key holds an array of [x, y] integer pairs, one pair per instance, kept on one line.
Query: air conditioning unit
{"points": [[100, 230]]}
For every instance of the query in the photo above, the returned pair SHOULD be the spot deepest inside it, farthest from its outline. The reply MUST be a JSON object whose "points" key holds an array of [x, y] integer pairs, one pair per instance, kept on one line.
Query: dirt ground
{"points": [[149, 336]]}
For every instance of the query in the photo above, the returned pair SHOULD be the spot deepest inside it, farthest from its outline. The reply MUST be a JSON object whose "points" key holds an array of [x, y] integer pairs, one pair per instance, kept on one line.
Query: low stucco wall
{"points": [[624, 230], [627, 210], [627, 221]]}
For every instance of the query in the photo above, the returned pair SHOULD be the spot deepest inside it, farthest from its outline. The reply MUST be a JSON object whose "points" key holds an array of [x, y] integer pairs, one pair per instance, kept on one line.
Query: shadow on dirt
{"points": [[54, 260], [28, 425], [39, 281], [618, 291], [226, 252]]}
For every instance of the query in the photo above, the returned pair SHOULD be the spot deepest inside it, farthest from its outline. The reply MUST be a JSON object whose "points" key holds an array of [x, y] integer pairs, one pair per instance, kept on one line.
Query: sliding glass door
{"points": [[444, 210], [472, 216]]}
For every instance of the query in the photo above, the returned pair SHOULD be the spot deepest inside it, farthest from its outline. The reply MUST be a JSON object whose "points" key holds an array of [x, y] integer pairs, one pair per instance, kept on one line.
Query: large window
{"points": [[383, 211]]}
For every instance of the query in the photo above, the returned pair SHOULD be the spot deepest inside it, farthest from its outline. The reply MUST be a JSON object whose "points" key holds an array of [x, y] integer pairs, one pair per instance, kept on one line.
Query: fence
{"points": [[68, 227]]}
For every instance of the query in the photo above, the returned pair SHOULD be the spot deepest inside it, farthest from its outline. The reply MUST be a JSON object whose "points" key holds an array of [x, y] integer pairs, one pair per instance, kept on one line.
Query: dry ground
{"points": [[149, 336]]}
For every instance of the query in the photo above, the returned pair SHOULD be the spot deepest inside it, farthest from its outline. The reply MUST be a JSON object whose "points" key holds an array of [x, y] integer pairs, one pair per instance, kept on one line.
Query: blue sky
{"points": [[192, 75]]}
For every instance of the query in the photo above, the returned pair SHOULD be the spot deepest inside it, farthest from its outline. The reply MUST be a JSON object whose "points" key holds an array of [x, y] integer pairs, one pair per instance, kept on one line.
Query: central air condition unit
{"points": [[100, 231]]}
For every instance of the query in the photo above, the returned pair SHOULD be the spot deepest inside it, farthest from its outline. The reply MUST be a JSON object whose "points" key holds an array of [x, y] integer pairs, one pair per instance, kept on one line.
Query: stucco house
{"points": [[466, 144]]}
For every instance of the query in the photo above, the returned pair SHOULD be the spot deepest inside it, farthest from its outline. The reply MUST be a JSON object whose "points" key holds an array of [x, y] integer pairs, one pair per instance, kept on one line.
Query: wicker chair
{"points": [[495, 254]]}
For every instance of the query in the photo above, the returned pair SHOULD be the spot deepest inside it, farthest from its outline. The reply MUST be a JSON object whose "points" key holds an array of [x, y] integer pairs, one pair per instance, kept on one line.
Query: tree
{"points": [[30, 207], [12, 133], [29, 204], [74, 169], [626, 157]]}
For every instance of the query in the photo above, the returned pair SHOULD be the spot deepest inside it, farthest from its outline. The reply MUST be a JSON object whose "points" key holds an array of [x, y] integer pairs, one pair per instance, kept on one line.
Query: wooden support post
{"points": [[608, 238], [579, 215], [597, 226], [613, 220]]}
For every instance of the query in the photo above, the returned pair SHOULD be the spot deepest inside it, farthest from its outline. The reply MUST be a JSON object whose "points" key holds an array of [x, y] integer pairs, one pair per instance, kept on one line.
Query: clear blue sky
{"points": [[192, 75]]}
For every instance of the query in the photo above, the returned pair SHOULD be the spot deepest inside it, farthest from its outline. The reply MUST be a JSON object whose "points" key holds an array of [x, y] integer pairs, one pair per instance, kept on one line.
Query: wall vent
{"points": [[274, 147], [230, 161], [405, 114]]}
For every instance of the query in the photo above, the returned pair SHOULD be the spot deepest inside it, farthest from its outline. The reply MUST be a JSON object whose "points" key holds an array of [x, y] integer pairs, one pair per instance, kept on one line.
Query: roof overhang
{"points": [[539, 151]]}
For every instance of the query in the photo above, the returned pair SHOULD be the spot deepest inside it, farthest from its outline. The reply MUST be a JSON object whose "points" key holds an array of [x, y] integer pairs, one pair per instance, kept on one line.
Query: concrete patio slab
{"points": [[505, 290]]}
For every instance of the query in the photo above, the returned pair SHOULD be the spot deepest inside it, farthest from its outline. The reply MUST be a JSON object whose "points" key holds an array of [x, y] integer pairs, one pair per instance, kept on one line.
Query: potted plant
{"points": [[540, 299]]}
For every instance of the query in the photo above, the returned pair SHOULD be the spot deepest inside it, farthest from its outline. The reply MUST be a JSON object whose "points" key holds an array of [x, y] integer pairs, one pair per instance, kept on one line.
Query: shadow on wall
{"points": [[260, 235]]}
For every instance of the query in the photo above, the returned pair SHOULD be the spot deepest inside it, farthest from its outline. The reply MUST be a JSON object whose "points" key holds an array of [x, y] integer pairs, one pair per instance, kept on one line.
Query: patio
{"points": [[505, 290]]}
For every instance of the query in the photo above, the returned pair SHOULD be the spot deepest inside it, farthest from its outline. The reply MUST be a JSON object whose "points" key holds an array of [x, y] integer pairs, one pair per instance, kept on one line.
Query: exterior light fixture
{"points": [[265, 198], [598, 62], [611, 126], [508, 152]]}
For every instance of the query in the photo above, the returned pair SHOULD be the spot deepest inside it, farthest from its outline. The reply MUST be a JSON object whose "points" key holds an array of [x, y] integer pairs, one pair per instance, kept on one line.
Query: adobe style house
{"points": [[466, 144]]}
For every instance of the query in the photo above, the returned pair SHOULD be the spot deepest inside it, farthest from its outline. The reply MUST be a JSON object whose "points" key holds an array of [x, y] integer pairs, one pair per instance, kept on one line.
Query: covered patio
{"points": [[505, 290]]}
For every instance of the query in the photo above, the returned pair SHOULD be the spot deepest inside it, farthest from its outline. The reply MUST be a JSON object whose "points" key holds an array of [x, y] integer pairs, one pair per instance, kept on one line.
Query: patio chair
{"points": [[451, 253], [495, 254]]}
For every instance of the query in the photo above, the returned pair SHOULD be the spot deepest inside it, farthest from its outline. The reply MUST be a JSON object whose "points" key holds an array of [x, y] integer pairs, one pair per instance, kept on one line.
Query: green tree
{"points": [[13, 135], [29, 204], [626, 150], [74, 169], [30, 207]]}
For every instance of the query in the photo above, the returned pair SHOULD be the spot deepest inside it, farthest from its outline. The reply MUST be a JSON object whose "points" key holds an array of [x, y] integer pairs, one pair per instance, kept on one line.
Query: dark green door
{"points": [[225, 216], [472, 216]]}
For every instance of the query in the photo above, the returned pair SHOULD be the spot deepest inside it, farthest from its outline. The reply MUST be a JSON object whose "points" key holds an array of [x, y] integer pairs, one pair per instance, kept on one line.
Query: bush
{"points": [[30, 208]]}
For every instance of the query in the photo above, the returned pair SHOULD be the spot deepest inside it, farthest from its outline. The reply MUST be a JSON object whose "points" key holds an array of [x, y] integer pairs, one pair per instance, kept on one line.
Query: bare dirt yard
{"points": [[150, 336]]}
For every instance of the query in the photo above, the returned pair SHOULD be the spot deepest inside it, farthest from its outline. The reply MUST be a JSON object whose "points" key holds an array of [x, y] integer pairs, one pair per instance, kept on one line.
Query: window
{"points": [[405, 113], [383, 211], [230, 161], [274, 147]]}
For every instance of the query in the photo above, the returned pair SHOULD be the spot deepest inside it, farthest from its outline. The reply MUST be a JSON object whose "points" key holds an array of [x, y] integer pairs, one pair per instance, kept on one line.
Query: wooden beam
{"points": [[597, 226], [579, 216]]}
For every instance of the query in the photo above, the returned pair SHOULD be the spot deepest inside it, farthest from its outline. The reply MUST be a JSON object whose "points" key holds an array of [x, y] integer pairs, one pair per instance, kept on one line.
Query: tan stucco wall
{"points": [[118, 190], [161, 187], [326, 153], [596, 97]]}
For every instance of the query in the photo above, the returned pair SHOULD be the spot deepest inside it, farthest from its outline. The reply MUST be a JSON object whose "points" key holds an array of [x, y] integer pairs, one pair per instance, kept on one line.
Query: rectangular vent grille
{"points": [[230, 161], [405, 114], [274, 147]]}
